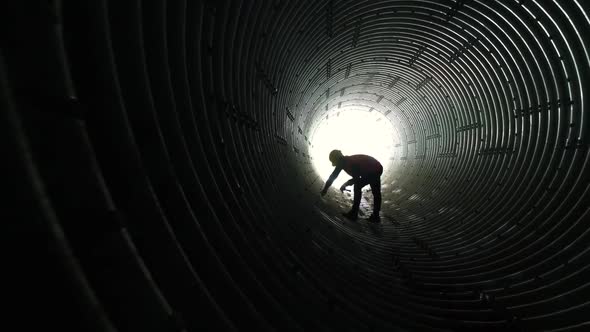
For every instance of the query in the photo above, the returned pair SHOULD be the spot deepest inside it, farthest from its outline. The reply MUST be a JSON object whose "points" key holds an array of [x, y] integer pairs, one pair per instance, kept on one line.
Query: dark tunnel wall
{"points": [[156, 160]]}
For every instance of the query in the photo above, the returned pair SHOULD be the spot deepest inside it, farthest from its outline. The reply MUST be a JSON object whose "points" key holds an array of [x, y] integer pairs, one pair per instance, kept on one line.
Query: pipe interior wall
{"points": [[158, 168]]}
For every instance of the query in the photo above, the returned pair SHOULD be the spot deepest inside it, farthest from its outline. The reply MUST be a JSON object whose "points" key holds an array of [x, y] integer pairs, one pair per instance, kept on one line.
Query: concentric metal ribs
{"points": [[158, 157]]}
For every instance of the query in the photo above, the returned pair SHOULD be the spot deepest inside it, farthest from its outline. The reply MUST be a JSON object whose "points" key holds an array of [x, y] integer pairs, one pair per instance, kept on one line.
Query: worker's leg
{"points": [[358, 185], [376, 190]]}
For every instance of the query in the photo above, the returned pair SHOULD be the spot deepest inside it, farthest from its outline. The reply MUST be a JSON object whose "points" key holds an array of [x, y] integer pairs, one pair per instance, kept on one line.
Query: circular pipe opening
{"points": [[352, 131]]}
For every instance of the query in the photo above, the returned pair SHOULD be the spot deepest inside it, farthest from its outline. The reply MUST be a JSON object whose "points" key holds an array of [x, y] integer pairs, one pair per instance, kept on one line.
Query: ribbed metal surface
{"points": [[156, 160]]}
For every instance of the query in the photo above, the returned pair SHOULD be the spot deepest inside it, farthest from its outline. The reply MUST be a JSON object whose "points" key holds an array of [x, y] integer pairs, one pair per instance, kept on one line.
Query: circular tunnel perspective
{"points": [[164, 163]]}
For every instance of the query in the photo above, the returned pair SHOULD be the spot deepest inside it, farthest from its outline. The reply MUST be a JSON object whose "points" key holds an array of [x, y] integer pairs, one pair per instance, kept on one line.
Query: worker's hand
{"points": [[343, 188]]}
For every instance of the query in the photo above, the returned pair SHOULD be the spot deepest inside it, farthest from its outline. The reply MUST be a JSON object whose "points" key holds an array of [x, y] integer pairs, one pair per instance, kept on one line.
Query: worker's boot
{"points": [[352, 214], [374, 218]]}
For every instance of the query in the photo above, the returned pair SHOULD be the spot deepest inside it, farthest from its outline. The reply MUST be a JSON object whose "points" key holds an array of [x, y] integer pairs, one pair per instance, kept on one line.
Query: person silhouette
{"points": [[364, 170]]}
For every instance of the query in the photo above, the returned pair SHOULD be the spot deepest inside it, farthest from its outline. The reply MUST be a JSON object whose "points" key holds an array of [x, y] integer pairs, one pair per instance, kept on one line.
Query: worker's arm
{"points": [[347, 183], [331, 179]]}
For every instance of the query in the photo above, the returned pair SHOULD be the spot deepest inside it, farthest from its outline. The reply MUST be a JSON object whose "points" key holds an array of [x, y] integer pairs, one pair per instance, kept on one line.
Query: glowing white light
{"points": [[352, 132]]}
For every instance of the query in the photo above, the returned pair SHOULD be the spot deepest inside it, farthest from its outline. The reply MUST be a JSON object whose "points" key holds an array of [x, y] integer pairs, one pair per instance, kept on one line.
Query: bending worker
{"points": [[364, 170]]}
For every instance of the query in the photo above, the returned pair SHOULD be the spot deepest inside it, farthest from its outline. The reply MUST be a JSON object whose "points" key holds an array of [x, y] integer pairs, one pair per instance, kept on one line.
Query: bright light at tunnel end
{"points": [[352, 132]]}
